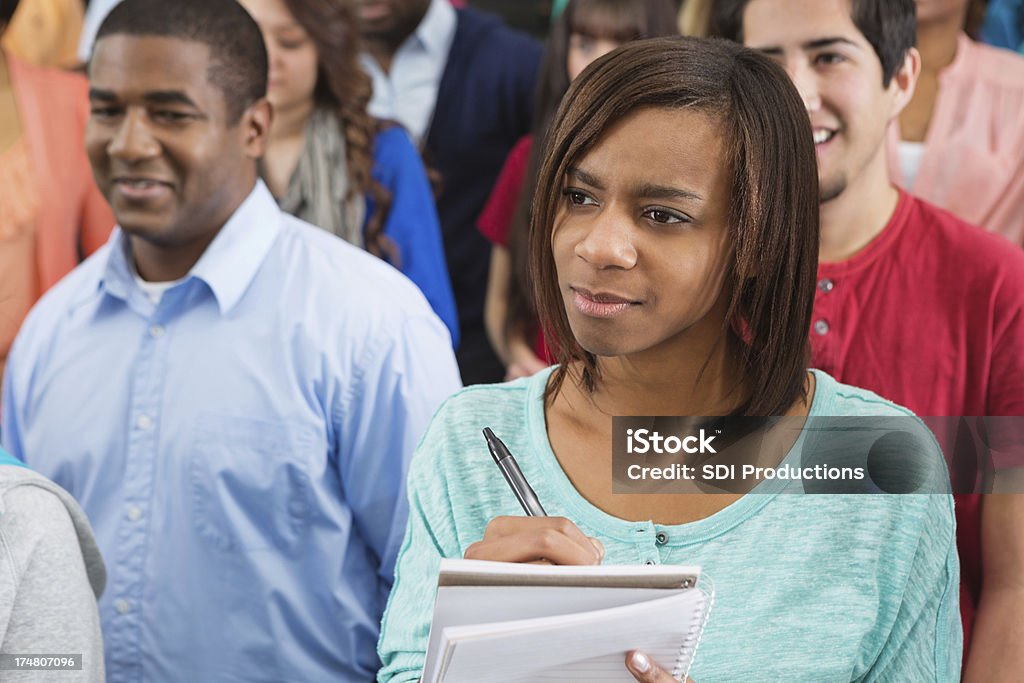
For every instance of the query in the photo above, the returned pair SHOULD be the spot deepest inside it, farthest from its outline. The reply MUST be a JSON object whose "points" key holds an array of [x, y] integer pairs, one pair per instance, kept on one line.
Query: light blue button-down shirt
{"points": [[408, 92], [240, 447]]}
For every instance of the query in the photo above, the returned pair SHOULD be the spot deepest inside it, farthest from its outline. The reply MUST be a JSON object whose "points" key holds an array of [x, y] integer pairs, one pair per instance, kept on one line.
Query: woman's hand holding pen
{"points": [[555, 540], [550, 540]]}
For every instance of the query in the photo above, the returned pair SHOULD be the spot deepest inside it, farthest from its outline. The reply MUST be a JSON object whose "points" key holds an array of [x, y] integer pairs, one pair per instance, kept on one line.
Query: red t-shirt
{"points": [[930, 315], [495, 222]]}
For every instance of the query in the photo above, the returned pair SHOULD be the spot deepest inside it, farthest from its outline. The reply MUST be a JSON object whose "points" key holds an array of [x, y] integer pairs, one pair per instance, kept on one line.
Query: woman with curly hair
{"points": [[330, 163]]}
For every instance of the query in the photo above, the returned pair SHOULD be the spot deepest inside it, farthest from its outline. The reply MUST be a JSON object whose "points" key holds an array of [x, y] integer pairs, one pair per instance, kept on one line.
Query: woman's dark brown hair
{"points": [[774, 201], [619, 20], [343, 86]]}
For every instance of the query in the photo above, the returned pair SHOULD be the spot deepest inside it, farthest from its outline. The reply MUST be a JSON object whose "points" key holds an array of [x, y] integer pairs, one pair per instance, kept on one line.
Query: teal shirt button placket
{"points": [[648, 550]]}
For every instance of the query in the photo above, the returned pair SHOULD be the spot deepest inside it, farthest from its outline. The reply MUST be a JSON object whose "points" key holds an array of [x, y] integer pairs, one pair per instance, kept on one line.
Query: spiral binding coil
{"points": [[688, 649]]}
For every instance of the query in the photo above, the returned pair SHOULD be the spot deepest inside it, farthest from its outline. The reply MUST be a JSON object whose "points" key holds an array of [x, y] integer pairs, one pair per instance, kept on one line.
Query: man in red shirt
{"points": [[912, 303]]}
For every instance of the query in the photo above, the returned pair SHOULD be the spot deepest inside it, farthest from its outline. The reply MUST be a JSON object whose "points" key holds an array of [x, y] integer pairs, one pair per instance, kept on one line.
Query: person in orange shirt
{"points": [[959, 144], [51, 212]]}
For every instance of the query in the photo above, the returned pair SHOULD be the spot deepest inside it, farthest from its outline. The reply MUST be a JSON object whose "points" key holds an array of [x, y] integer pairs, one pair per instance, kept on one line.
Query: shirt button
{"points": [[826, 285], [144, 422], [821, 327], [122, 606], [156, 331], [661, 538], [134, 513]]}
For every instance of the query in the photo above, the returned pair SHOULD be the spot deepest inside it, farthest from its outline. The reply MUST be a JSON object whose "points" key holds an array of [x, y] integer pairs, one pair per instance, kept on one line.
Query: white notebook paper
{"points": [[497, 621]]}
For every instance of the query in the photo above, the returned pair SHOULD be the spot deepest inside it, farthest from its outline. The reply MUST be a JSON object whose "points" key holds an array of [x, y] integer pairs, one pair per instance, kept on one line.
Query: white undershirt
{"points": [[910, 161], [154, 291]]}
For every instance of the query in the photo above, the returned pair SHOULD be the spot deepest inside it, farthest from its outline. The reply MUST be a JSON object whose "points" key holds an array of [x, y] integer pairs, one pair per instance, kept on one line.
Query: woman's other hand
{"points": [[645, 670]]}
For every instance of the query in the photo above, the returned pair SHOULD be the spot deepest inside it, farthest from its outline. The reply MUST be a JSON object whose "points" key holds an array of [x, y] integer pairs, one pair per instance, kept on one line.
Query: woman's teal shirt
{"points": [[807, 587]]}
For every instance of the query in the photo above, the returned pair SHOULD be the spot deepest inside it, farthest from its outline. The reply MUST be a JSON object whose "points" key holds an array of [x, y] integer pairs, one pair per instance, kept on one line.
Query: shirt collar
{"points": [[436, 31], [227, 266], [963, 60]]}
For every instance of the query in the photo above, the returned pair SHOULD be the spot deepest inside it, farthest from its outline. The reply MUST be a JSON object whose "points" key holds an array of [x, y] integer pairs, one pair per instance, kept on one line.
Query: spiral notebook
{"points": [[495, 621]]}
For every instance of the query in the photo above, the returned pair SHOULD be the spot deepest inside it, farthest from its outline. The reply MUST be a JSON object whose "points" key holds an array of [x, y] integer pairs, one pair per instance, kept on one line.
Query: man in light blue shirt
{"points": [[231, 394]]}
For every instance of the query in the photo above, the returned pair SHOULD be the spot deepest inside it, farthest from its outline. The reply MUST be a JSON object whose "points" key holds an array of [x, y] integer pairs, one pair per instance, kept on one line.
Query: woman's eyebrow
{"points": [[587, 178], [652, 191], [646, 190]]}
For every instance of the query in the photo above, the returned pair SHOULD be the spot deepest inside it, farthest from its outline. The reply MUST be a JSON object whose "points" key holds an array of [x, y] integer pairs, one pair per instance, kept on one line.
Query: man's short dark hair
{"points": [[7, 8], [238, 57], [890, 26]]}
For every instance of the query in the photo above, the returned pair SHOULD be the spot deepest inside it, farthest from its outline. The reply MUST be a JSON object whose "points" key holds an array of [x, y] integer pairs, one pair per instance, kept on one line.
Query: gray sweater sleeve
{"points": [[51, 573]]}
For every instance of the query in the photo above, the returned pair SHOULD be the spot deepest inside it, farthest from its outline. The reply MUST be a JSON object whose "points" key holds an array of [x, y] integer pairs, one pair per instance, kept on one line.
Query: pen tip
{"points": [[494, 445]]}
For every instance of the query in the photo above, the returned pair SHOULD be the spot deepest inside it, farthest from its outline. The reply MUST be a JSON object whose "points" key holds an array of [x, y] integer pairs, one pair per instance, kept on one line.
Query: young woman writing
{"points": [[674, 248]]}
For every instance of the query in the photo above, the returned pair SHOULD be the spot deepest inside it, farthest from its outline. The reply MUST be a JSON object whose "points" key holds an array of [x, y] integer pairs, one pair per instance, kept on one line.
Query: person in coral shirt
{"points": [[959, 144], [51, 213]]}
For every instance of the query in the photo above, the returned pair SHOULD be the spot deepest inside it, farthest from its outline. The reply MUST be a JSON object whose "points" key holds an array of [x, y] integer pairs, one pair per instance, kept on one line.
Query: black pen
{"points": [[513, 475]]}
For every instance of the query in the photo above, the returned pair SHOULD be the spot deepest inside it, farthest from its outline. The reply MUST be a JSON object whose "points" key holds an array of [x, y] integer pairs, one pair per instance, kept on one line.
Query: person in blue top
{"points": [[1004, 24], [674, 247], [330, 163], [230, 393]]}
